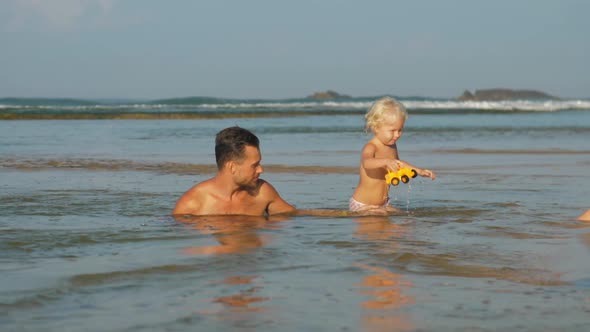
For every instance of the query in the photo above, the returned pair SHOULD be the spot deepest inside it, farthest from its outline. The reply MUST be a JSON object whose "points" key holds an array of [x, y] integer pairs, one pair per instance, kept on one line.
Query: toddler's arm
{"points": [[369, 161], [421, 171]]}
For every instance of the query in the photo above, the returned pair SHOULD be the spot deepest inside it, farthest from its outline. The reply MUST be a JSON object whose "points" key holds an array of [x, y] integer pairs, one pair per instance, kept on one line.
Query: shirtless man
{"points": [[236, 189]]}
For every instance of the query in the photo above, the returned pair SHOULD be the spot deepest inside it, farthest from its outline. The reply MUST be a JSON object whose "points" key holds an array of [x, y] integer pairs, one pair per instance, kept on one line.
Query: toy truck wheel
{"points": [[395, 181], [414, 173], [405, 179]]}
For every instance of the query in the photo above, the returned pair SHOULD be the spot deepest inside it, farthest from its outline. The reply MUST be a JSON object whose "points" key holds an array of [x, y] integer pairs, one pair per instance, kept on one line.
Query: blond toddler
{"points": [[385, 119]]}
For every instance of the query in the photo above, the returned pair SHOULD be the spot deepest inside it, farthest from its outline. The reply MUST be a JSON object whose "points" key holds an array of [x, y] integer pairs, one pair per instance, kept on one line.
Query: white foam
{"points": [[283, 105], [513, 105]]}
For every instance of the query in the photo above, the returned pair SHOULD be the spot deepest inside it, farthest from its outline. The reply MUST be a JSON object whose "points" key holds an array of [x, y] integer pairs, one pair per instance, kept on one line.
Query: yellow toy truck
{"points": [[403, 175]]}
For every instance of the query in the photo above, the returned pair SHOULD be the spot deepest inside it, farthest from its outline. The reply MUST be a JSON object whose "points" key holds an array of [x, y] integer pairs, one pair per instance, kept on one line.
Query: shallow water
{"points": [[87, 243]]}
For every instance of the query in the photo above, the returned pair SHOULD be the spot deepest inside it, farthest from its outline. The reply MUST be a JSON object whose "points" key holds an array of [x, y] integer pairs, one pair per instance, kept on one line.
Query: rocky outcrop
{"points": [[503, 94], [328, 95]]}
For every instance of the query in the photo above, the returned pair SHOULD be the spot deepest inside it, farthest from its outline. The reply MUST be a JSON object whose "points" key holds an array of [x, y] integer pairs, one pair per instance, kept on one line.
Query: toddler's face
{"points": [[390, 129]]}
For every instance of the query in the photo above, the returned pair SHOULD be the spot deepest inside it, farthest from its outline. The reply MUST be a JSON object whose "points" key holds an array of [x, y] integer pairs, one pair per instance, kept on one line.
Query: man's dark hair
{"points": [[230, 144]]}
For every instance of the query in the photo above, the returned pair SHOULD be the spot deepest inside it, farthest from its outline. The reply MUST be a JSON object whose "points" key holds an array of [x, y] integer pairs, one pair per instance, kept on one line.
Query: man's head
{"points": [[238, 154], [230, 145]]}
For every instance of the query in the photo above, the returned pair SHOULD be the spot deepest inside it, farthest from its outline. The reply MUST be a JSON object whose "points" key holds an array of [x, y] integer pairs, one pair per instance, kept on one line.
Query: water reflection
{"points": [[240, 294], [235, 234], [586, 239], [246, 298], [386, 290], [376, 228], [242, 306]]}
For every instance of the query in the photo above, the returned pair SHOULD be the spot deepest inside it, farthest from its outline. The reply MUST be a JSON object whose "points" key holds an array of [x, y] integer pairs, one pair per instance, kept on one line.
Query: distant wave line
{"points": [[161, 115], [221, 114], [166, 167], [432, 130], [510, 105]]}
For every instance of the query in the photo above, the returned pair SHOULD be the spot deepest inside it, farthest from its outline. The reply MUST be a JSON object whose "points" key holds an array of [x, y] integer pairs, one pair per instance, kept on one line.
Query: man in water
{"points": [[236, 189]]}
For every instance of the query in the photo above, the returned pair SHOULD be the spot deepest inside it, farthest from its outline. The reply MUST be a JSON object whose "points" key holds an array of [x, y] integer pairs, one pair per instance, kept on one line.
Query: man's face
{"points": [[249, 169]]}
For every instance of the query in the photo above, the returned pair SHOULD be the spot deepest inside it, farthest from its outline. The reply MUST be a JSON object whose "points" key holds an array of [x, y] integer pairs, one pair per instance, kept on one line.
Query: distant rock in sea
{"points": [[503, 94], [328, 95]]}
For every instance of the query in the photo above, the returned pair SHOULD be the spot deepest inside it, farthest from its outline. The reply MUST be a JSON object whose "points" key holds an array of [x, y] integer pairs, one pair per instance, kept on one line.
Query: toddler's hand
{"points": [[426, 173], [393, 165]]}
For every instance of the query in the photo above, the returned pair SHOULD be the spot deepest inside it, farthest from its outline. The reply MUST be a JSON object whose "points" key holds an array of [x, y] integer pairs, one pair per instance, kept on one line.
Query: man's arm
{"points": [[324, 213], [342, 213], [277, 205]]}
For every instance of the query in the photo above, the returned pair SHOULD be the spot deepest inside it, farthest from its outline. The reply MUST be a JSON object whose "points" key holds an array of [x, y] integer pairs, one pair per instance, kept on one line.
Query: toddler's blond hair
{"points": [[379, 108]]}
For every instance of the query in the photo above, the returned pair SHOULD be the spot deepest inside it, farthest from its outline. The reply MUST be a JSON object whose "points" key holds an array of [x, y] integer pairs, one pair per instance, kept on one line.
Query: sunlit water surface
{"points": [[87, 243]]}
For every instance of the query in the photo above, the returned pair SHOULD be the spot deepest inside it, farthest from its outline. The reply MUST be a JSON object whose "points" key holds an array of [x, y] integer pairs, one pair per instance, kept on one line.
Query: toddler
{"points": [[385, 119]]}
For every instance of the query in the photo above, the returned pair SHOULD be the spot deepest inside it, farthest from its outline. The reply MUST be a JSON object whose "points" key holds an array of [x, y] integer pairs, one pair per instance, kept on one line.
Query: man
{"points": [[236, 189]]}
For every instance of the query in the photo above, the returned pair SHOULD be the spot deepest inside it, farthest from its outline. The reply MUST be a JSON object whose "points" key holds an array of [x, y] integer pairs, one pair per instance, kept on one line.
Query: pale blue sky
{"points": [[280, 49]]}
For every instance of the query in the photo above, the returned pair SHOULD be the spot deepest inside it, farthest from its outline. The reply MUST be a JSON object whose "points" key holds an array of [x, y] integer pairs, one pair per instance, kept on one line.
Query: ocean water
{"points": [[87, 241]]}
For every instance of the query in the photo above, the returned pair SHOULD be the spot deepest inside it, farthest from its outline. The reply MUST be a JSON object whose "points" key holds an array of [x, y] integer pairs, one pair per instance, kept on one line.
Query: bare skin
{"points": [[379, 156], [236, 189], [585, 216]]}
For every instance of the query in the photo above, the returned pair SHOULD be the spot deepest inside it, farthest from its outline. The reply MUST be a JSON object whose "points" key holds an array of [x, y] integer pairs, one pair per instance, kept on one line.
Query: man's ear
{"points": [[231, 166]]}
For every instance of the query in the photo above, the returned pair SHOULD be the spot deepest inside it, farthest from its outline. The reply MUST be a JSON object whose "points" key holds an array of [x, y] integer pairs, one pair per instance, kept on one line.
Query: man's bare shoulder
{"points": [[266, 190], [585, 216], [200, 189], [190, 202]]}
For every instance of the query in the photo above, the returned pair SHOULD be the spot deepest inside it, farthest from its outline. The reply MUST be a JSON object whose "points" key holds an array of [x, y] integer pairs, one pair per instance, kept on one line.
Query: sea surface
{"points": [[87, 242]]}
